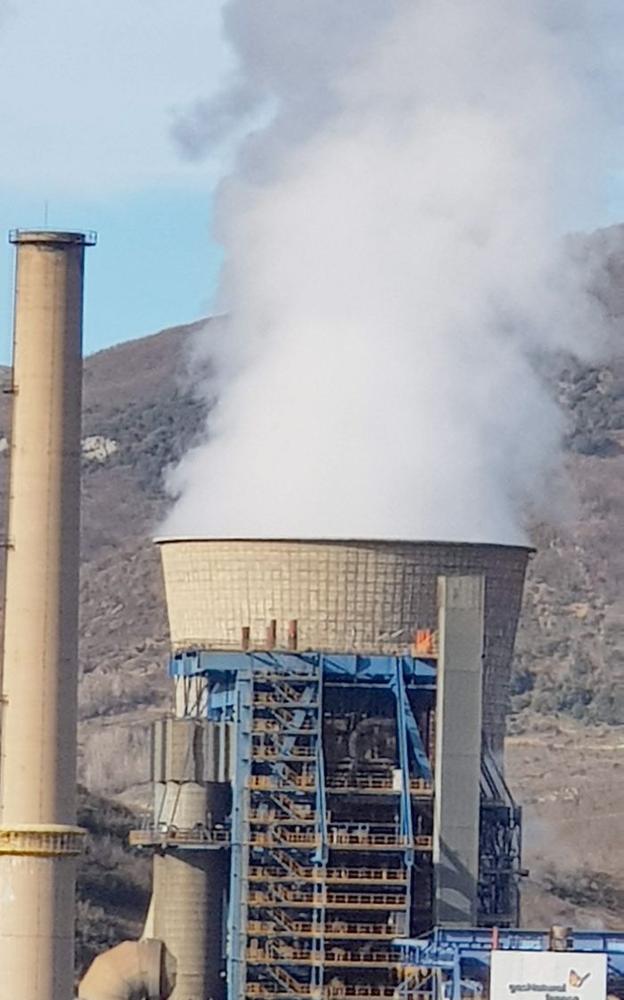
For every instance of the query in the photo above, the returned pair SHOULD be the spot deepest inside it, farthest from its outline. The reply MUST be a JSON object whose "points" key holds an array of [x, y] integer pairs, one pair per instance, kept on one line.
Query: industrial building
{"points": [[330, 817], [331, 779]]}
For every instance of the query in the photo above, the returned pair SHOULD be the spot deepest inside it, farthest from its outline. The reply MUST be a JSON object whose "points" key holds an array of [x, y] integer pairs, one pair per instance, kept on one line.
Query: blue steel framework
{"points": [[500, 850], [326, 868], [456, 962]]}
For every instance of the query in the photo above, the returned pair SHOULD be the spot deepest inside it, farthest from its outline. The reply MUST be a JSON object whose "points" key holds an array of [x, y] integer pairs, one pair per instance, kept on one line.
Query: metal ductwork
{"points": [[134, 970], [191, 770]]}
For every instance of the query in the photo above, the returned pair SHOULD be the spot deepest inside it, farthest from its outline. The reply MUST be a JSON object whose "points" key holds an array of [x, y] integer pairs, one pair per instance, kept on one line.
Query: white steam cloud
{"points": [[394, 272]]}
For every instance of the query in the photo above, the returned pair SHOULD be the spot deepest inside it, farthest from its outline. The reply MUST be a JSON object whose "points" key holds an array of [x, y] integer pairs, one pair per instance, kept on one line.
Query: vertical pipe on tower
{"points": [[38, 837]]}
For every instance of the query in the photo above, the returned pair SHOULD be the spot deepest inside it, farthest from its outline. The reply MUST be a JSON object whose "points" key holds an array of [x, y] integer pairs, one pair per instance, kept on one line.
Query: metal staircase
{"points": [[287, 895]]}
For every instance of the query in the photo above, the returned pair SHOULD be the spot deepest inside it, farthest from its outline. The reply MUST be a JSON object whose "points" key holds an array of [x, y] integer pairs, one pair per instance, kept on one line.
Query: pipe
{"points": [[133, 970], [38, 836]]}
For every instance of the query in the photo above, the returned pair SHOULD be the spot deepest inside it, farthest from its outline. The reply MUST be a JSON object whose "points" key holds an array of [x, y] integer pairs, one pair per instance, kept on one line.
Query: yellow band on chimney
{"points": [[42, 840]]}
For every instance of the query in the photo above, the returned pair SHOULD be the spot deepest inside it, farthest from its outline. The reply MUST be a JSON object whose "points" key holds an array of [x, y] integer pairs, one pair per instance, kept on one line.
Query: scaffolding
{"points": [[322, 856], [330, 831]]}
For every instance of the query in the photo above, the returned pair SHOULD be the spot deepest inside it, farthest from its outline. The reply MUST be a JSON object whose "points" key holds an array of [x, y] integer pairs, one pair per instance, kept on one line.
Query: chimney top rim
{"points": [[88, 238]]}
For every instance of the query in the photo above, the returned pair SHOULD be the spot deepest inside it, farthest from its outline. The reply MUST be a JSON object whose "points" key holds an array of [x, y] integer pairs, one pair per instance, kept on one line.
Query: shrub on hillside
{"points": [[113, 882]]}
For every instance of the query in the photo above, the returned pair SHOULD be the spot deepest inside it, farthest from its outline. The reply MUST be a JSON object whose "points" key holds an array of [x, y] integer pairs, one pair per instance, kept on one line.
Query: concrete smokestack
{"points": [[38, 836]]}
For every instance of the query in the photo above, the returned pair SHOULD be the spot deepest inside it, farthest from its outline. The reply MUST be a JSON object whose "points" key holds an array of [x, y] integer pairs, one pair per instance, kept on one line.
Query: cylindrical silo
{"points": [[38, 836], [188, 891]]}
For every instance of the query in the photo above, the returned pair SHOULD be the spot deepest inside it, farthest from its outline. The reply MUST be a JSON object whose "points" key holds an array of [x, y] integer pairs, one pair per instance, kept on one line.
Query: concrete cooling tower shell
{"points": [[347, 596]]}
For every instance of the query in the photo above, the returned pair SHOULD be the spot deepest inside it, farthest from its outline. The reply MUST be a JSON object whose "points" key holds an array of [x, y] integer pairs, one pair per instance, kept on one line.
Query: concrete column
{"points": [[38, 837], [187, 915], [458, 750]]}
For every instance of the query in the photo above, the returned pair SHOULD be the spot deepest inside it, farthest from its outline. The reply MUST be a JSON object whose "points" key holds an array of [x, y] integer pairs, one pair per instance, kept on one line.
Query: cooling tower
{"points": [[346, 596]]}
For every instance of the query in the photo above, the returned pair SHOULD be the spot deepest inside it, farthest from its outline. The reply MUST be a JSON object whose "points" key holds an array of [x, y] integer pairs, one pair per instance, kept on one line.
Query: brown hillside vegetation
{"points": [[113, 885]]}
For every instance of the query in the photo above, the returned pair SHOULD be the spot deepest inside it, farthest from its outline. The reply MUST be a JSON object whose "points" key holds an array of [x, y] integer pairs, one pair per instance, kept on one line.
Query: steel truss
{"points": [[328, 868]]}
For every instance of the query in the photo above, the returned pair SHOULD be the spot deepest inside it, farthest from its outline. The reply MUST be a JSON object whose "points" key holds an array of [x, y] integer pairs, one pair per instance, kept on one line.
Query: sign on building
{"points": [[548, 975]]}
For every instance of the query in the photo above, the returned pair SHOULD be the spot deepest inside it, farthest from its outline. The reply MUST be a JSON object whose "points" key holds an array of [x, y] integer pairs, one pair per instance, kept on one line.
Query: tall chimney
{"points": [[39, 840]]}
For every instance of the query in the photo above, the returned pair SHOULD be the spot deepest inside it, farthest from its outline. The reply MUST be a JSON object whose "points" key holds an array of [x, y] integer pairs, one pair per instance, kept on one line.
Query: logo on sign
{"points": [[577, 981], [534, 975]]}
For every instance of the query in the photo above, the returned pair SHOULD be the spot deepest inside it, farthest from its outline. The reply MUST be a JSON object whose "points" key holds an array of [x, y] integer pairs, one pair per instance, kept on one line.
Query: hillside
{"points": [[140, 413], [113, 884]]}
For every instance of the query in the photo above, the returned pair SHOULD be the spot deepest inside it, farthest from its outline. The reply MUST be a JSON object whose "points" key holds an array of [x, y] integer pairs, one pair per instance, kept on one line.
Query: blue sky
{"points": [[89, 91]]}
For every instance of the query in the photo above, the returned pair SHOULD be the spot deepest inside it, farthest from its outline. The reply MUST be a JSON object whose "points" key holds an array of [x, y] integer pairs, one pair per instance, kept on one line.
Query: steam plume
{"points": [[394, 270]]}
